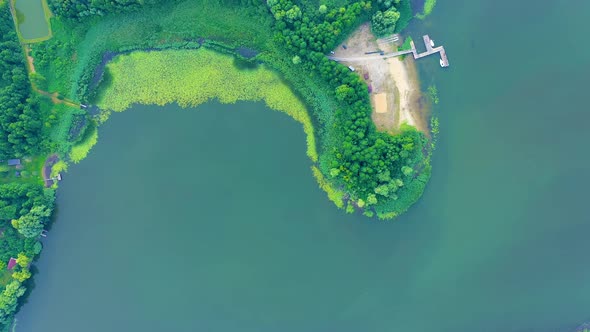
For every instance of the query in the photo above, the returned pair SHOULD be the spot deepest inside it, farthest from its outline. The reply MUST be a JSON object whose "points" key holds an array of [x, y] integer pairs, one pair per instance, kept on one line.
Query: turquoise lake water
{"points": [[210, 219]]}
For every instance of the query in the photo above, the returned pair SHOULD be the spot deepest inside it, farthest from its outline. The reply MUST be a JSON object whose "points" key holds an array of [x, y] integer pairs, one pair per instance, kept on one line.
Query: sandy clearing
{"points": [[395, 96], [380, 102], [406, 89]]}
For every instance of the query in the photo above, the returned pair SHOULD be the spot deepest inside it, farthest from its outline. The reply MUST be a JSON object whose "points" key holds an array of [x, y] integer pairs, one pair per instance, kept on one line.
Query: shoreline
{"points": [[393, 83], [408, 106], [415, 110]]}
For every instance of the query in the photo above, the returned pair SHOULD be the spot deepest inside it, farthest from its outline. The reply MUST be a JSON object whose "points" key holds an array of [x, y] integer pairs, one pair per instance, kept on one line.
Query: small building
{"points": [[13, 162], [11, 263]]}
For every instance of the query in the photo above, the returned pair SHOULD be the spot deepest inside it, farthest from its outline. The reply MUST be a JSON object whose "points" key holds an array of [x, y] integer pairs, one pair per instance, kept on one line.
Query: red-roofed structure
{"points": [[11, 263]]}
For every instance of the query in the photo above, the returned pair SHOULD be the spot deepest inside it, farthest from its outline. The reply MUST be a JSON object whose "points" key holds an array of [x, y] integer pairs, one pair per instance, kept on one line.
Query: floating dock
{"points": [[444, 61]]}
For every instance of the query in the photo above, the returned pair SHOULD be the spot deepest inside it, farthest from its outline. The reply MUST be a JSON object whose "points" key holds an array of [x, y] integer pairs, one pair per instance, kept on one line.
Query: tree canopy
{"points": [[21, 121], [31, 206], [384, 22], [84, 8]]}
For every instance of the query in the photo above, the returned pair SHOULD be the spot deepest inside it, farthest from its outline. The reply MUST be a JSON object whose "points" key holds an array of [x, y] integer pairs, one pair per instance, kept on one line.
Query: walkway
{"points": [[444, 62], [55, 97]]}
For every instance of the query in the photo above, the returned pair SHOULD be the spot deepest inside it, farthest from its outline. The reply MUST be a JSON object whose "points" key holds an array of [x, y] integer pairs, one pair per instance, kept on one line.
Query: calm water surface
{"points": [[32, 23], [210, 220]]}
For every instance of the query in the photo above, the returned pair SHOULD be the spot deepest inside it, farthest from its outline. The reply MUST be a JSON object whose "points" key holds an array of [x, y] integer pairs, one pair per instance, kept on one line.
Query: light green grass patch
{"points": [[433, 94], [30, 172], [60, 129], [5, 277], [428, 8], [193, 77], [58, 167], [335, 195], [80, 150]]}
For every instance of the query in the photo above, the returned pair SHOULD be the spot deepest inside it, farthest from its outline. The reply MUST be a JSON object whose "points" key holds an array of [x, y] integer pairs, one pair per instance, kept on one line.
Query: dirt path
{"points": [[55, 97], [409, 92], [393, 84], [29, 59]]}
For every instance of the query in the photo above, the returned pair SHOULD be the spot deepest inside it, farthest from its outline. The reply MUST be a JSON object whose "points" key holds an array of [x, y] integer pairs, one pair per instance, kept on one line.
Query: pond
{"points": [[32, 20]]}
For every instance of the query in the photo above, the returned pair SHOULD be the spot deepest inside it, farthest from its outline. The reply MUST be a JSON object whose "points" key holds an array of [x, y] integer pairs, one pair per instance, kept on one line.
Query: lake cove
{"points": [[209, 219], [360, 168], [33, 19]]}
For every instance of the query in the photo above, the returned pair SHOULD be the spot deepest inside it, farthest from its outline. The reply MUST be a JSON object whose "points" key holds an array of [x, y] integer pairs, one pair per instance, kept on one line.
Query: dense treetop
{"points": [[25, 208], [82, 8], [20, 118]]}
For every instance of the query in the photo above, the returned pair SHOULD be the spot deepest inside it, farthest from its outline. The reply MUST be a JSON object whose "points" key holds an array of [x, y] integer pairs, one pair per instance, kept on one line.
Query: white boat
{"points": [[432, 43], [442, 64]]}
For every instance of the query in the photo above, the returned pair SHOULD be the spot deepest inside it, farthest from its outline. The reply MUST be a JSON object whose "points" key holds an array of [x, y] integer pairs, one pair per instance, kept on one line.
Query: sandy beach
{"points": [[399, 73], [405, 77], [393, 83]]}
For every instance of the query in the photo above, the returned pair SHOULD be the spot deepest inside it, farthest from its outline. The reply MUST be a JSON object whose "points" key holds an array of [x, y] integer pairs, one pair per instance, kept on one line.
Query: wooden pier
{"points": [[444, 61]]}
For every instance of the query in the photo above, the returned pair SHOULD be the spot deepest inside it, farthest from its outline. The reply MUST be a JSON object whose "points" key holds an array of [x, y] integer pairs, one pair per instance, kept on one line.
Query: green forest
{"points": [[277, 51], [21, 120], [25, 205]]}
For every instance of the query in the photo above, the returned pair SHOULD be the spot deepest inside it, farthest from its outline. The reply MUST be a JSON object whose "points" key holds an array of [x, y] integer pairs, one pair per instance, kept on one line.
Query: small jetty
{"points": [[444, 61], [430, 49]]}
